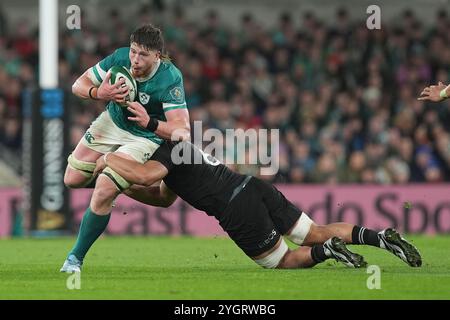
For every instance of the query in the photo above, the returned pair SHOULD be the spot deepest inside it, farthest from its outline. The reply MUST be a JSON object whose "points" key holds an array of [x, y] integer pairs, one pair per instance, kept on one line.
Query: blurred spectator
{"points": [[10, 134], [343, 97], [3, 24]]}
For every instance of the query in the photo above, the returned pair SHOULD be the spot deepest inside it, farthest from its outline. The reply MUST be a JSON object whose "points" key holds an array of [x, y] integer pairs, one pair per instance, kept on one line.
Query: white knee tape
{"points": [[273, 259], [301, 229]]}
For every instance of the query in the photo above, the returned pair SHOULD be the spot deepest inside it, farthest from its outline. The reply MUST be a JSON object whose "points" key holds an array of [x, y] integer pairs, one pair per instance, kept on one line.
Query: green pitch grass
{"points": [[210, 268]]}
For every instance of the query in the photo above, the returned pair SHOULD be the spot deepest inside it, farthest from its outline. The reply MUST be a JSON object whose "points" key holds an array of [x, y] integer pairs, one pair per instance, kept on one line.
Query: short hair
{"points": [[148, 36]]}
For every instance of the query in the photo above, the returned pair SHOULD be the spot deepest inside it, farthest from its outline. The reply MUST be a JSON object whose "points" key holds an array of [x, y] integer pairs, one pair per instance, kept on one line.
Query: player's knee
{"points": [[73, 179], [275, 258], [69, 179], [78, 173], [105, 188], [301, 229], [103, 196]]}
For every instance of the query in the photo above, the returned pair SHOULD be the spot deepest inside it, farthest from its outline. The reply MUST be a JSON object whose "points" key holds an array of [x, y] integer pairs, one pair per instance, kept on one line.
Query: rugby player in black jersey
{"points": [[253, 213]]}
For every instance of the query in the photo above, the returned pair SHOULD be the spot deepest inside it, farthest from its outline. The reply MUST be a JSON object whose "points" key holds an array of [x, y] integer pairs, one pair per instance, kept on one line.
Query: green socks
{"points": [[92, 226]]}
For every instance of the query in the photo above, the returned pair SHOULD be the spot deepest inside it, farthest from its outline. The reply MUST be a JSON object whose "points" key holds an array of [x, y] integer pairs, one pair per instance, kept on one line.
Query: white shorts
{"points": [[105, 136]]}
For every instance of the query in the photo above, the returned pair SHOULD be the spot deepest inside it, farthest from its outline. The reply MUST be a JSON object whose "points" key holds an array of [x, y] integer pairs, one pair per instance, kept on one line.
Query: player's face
{"points": [[142, 60]]}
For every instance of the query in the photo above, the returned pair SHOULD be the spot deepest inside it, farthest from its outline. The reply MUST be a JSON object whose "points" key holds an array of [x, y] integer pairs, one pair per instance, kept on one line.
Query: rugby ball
{"points": [[119, 72]]}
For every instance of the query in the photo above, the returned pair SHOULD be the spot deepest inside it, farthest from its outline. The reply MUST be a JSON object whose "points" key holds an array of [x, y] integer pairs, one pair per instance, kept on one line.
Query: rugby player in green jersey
{"points": [[132, 130]]}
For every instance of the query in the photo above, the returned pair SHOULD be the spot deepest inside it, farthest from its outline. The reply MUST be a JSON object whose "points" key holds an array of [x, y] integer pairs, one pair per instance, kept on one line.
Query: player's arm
{"points": [[142, 176], [94, 82], [85, 87], [159, 195], [134, 172], [176, 128], [435, 93]]}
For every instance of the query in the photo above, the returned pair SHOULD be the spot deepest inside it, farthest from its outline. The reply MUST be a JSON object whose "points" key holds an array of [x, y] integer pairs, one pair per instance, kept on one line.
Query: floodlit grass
{"points": [[210, 268]]}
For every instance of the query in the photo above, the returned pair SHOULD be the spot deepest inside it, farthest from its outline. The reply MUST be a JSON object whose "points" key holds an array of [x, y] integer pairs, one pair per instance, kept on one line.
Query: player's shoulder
{"points": [[172, 68], [169, 72]]}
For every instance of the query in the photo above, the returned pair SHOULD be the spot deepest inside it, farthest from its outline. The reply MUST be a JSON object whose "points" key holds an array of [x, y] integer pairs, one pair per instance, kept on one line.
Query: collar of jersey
{"points": [[156, 67]]}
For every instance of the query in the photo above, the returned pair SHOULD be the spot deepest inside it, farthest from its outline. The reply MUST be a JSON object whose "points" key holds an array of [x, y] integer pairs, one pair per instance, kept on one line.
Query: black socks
{"points": [[361, 235], [318, 253]]}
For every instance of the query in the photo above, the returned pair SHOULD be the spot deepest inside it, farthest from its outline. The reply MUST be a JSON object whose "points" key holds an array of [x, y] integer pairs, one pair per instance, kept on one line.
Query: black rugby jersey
{"points": [[197, 177]]}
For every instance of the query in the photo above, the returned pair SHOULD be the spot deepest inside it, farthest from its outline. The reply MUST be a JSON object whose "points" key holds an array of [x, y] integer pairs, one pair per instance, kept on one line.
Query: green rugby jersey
{"points": [[159, 92]]}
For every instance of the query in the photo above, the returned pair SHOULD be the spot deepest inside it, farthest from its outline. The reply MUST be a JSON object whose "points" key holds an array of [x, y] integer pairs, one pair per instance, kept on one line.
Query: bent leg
{"points": [[320, 233], [281, 257], [298, 258], [306, 232], [81, 166], [102, 136], [104, 194], [108, 186], [96, 217], [388, 239], [91, 227], [350, 233]]}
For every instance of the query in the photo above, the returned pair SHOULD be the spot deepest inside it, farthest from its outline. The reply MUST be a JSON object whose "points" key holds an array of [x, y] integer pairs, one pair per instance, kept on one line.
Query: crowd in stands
{"points": [[343, 97]]}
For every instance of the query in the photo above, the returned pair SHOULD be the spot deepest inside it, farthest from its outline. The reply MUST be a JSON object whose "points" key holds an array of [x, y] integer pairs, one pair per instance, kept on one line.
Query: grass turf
{"points": [[210, 268]]}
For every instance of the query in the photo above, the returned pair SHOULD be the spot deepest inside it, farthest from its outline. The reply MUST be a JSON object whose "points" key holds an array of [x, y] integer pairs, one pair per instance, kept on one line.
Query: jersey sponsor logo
{"points": [[268, 240], [144, 98], [177, 94]]}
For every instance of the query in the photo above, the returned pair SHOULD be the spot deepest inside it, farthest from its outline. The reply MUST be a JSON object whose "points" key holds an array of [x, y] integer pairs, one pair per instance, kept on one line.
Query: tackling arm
{"points": [[134, 172], [158, 196], [143, 176]]}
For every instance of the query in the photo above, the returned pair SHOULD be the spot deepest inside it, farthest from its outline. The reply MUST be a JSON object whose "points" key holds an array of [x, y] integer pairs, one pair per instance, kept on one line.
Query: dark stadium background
{"points": [[343, 96], [355, 145]]}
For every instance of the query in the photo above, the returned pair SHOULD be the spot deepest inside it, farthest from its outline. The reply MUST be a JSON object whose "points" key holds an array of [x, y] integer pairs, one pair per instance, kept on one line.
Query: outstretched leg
{"points": [[388, 239], [95, 219], [94, 223], [350, 233], [80, 168]]}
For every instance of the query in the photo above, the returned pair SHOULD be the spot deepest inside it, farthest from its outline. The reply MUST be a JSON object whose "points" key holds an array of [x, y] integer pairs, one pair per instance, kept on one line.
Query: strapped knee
{"points": [[301, 229], [272, 260], [83, 167], [120, 182]]}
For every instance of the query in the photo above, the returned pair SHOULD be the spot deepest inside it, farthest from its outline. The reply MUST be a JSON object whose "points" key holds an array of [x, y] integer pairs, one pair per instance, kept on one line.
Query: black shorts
{"points": [[257, 216]]}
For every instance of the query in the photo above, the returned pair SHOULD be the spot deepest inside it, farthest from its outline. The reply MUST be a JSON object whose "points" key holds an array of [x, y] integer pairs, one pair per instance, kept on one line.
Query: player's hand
{"points": [[115, 92], [141, 116], [99, 166], [432, 93]]}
